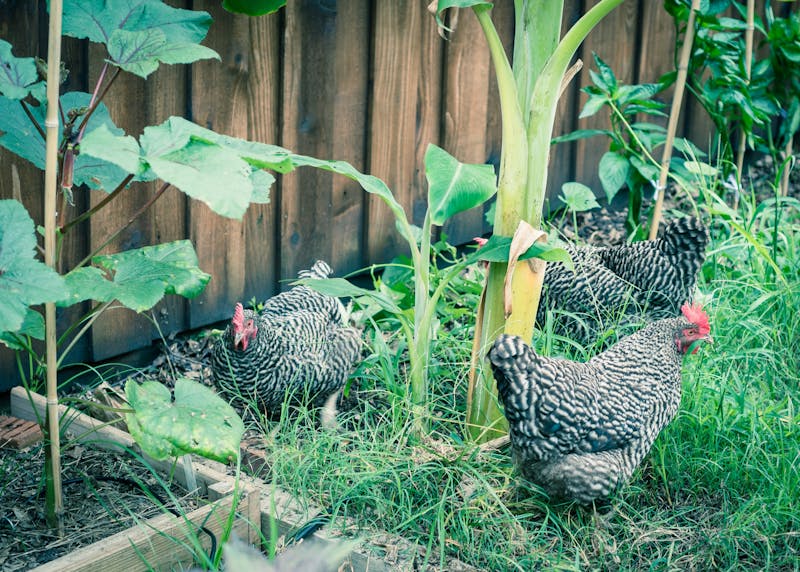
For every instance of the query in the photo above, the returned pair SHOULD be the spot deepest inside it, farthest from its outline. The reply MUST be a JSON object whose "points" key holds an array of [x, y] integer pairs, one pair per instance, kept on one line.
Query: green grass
{"points": [[719, 490]]}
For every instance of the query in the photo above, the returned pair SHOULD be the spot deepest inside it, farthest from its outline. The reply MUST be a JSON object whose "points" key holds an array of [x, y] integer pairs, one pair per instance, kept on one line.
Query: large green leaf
{"points": [[339, 287], [18, 76], [140, 52], [453, 186], [613, 173], [578, 197], [21, 137], [224, 172], [140, 33], [141, 277], [32, 325], [23, 279], [197, 421]]}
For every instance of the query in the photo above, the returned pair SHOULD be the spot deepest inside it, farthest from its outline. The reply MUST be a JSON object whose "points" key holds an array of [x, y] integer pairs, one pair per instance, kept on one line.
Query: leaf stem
{"points": [[33, 120], [96, 99], [112, 195], [130, 221]]}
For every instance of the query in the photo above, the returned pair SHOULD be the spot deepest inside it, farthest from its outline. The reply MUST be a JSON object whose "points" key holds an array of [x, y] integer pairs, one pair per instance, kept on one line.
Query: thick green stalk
{"points": [[528, 101], [420, 347]]}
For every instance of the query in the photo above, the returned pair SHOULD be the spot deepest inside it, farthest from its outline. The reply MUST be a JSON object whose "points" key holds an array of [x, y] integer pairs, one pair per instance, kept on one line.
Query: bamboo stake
{"points": [[55, 501], [674, 113], [748, 66]]}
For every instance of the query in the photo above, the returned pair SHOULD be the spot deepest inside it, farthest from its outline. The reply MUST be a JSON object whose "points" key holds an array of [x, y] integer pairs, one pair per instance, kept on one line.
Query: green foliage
{"points": [[141, 277], [196, 421], [767, 107], [629, 161], [24, 281], [20, 77], [253, 7], [141, 34]]}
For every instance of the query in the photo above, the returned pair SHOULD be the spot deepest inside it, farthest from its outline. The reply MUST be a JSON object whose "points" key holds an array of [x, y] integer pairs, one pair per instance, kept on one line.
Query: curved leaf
{"points": [[253, 7], [453, 186], [18, 76], [613, 173]]}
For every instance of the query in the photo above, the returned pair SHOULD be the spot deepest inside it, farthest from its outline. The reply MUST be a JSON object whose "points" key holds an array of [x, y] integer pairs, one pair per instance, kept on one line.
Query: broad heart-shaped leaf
{"points": [[224, 172], [613, 172], [578, 197], [453, 186], [21, 137], [198, 421], [18, 76], [23, 279], [141, 51], [97, 19], [141, 277]]}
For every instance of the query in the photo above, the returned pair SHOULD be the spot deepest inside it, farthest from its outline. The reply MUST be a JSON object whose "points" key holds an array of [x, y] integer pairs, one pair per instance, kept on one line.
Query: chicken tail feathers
{"points": [[511, 360], [683, 235], [320, 270]]}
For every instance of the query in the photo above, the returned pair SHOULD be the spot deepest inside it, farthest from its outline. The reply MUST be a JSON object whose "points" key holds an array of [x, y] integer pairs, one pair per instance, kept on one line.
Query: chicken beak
{"points": [[238, 340]]}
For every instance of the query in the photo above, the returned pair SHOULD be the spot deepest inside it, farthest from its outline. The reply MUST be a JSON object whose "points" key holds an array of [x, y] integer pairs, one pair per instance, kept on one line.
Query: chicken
{"points": [[580, 429], [648, 279], [298, 346]]}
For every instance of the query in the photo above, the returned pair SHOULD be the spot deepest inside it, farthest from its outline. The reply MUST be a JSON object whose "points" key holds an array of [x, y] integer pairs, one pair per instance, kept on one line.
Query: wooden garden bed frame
{"points": [[262, 508]]}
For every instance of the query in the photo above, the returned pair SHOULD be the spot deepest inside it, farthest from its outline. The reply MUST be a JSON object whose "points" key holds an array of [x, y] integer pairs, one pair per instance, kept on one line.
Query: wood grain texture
{"points": [[219, 102], [263, 112], [613, 39], [326, 51], [465, 103], [405, 117]]}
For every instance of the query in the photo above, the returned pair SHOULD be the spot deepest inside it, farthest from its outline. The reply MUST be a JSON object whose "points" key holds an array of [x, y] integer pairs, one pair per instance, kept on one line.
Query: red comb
{"points": [[238, 317], [696, 315]]}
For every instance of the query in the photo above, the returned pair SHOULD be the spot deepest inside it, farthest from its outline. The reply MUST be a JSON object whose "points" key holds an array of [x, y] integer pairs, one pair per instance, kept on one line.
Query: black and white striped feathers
{"points": [[580, 429], [649, 279], [298, 346]]}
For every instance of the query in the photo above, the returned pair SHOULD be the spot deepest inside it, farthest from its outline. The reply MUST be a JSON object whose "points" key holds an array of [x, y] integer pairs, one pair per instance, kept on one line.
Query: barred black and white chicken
{"points": [[649, 280], [580, 429], [298, 346]]}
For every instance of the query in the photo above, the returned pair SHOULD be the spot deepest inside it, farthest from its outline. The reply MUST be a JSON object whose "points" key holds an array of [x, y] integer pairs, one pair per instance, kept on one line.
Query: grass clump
{"points": [[717, 491]]}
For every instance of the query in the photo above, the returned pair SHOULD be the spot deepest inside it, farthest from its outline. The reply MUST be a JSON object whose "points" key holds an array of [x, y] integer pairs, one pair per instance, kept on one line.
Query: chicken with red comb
{"points": [[579, 430]]}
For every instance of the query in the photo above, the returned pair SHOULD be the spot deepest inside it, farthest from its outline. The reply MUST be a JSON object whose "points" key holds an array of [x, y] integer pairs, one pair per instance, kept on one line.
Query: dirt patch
{"points": [[104, 493]]}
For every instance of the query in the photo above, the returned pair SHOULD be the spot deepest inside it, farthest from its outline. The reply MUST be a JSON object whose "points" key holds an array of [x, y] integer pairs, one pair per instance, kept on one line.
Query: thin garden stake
{"points": [[748, 66], [55, 501], [674, 113]]}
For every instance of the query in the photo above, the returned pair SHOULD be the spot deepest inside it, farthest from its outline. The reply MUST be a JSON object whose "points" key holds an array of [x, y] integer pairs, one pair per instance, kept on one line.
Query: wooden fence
{"points": [[366, 81]]}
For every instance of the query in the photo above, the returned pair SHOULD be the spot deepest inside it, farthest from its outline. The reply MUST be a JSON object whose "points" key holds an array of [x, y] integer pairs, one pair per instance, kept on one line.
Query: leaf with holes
{"points": [[197, 421], [140, 278]]}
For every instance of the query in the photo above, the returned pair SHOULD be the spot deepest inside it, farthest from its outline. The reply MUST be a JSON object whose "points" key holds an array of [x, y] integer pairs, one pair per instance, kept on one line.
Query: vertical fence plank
{"points": [[406, 71], [263, 105], [465, 102], [219, 102], [324, 115], [613, 41]]}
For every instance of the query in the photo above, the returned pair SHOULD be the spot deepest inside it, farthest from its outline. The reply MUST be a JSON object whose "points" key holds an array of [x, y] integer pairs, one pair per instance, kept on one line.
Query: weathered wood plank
{"points": [[465, 102], [219, 102], [324, 115], [613, 41], [263, 112], [406, 97]]}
